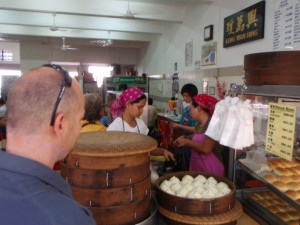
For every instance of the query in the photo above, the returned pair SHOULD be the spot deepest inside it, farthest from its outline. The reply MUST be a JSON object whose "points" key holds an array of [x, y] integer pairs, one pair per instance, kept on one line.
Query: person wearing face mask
{"points": [[187, 124]]}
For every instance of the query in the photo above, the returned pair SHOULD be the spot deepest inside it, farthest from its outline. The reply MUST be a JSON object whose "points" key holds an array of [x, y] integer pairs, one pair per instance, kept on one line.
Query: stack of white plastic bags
{"points": [[232, 123]]}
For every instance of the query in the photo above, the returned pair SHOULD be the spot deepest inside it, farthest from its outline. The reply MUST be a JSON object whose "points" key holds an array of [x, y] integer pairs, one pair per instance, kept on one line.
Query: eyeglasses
{"points": [[67, 83]]}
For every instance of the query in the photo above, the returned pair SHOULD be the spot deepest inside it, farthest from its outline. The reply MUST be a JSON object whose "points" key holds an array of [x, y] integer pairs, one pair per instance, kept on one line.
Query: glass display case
{"points": [[268, 200]]}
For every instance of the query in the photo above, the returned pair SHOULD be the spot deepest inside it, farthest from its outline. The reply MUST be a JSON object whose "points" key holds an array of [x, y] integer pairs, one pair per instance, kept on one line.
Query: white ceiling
{"points": [[81, 21]]}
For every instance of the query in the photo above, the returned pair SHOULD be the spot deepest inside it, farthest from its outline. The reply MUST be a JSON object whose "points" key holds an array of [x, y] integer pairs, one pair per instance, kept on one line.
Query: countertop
{"points": [[175, 118]]}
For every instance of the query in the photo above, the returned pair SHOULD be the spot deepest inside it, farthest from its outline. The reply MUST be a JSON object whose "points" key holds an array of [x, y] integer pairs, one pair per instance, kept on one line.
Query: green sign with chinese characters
{"points": [[245, 25], [126, 80]]}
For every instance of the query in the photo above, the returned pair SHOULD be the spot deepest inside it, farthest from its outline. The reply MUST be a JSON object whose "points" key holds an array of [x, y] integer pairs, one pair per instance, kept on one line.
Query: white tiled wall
{"points": [[161, 89]]}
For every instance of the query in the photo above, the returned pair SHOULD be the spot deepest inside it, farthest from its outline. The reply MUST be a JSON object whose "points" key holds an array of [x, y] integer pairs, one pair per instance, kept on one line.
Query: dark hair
{"points": [[143, 96], [190, 89], [2, 101], [122, 87], [93, 107], [150, 101]]}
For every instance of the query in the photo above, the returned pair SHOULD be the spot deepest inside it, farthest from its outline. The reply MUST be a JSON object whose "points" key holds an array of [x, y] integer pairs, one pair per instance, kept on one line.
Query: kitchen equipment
{"points": [[185, 211], [109, 172]]}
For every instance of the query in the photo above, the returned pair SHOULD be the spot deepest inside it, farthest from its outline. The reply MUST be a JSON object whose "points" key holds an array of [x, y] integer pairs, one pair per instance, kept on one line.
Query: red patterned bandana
{"points": [[206, 102], [129, 95]]}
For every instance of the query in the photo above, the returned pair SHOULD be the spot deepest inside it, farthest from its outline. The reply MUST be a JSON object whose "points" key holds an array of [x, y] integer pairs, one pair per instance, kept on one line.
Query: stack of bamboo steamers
{"points": [[109, 173]]}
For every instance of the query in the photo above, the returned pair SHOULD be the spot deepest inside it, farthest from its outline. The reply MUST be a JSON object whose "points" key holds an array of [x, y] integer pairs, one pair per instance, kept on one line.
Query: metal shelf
{"points": [[284, 91], [254, 212]]}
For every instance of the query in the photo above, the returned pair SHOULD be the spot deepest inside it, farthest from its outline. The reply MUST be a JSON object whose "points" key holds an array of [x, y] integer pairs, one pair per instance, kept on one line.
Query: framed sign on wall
{"points": [[245, 25], [209, 54], [208, 33], [189, 53]]}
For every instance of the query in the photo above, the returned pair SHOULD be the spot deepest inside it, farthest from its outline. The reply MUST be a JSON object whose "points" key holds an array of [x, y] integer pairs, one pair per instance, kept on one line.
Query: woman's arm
{"points": [[190, 129], [206, 147]]}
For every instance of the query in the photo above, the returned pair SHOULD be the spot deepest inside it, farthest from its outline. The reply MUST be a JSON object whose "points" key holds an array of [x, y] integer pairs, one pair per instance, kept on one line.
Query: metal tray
{"points": [[269, 186]]}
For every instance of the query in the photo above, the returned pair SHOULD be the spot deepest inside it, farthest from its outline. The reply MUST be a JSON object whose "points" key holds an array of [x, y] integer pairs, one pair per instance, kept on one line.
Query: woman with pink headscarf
{"points": [[127, 110], [204, 158]]}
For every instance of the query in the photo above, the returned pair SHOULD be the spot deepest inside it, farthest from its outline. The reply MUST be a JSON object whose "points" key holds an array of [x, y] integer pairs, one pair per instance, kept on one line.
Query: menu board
{"points": [[286, 33], [281, 130]]}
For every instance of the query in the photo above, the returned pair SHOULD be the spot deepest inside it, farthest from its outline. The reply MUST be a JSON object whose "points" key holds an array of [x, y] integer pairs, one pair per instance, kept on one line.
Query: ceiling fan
{"points": [[54, 27], [66, 47], [128, 14]]}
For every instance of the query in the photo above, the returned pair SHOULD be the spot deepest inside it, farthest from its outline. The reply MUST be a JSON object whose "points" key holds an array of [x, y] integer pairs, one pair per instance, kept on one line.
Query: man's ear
{"points": [[58, 122]]}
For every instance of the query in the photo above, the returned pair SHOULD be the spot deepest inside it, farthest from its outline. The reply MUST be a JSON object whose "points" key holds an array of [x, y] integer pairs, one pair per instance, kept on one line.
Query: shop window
{"points": [[99, 72], [7, 77]]}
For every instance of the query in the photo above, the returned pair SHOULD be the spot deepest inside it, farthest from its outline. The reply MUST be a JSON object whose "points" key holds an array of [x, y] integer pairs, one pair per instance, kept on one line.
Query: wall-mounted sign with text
{"points": [[281, 130], [286, 25], [126, 80], [245, 25]]}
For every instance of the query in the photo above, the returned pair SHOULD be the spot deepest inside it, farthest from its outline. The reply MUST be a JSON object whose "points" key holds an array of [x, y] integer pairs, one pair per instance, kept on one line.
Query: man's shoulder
{"points": [[54, 210]]}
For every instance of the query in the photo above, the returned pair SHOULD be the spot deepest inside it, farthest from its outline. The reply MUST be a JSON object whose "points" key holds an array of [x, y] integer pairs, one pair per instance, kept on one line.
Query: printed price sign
{"points": [[281, 130]]}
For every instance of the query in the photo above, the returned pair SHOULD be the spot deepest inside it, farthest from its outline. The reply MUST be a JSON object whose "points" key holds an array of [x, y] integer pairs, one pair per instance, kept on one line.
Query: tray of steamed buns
{"points": [[195, 193]]}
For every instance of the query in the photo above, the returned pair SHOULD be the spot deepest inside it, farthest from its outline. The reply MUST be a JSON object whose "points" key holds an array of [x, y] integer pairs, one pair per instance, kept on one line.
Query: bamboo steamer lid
{"points": [[113, 143], [109, 150]]}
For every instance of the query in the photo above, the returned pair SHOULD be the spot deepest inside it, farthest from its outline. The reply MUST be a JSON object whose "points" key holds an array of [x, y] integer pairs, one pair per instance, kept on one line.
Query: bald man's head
{"points": [[32, 98]]}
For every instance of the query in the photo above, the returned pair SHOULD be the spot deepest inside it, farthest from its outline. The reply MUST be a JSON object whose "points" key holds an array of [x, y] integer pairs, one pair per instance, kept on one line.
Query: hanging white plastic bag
{"points": [[218, 119], [244, 133], [231, 125], [248, 138]]}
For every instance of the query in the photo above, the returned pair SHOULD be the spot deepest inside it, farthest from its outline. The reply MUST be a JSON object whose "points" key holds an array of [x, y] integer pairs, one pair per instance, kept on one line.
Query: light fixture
{"points": [[103, 42], [107, 42]]}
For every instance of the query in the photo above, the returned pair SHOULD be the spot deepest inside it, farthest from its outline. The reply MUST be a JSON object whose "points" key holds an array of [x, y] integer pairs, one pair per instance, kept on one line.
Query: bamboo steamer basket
{"points": [[184, 211], [95, 178], [113, 196], [272, 68], [228, 218], [128, 214], [200, 206], [109, 173]]}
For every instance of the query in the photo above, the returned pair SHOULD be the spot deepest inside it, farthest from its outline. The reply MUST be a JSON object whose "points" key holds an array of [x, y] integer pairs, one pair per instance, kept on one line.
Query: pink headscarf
{"points": [[206, 102], [129, 95]]}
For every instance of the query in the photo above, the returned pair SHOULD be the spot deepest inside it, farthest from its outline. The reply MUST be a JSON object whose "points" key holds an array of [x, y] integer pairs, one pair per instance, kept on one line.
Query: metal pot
{"points": [[151, 220]]}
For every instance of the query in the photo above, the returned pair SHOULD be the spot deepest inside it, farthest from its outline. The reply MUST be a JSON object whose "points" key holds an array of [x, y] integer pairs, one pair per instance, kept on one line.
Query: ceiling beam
{"points": [[37, 19], [172, 12], [91, 34]]}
